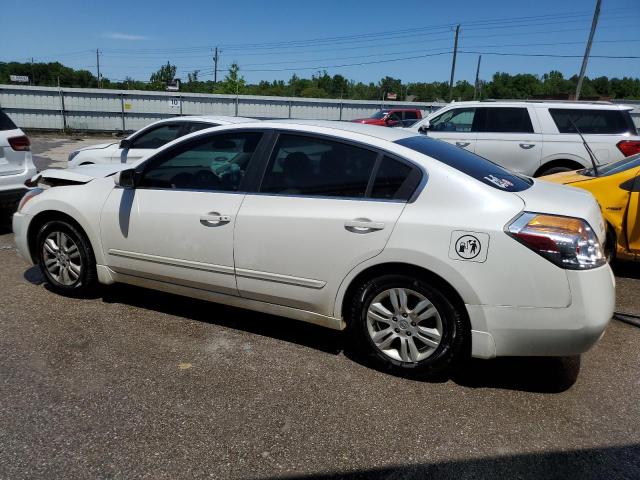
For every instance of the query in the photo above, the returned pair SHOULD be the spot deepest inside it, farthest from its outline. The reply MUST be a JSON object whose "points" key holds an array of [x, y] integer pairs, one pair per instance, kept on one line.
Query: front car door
{"points": [[633, 217], [455, 126], [506, 136], [318, 214], [177, 225]]}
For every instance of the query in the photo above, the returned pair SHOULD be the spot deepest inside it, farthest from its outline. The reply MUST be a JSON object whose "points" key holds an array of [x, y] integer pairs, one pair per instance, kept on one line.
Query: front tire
{"points": [[66, 259], [408, 325]]}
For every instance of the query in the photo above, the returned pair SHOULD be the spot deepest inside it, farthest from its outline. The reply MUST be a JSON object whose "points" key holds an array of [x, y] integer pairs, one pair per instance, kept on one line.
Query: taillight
{"points": [[20, 143], [629, 147], [568, 242]]}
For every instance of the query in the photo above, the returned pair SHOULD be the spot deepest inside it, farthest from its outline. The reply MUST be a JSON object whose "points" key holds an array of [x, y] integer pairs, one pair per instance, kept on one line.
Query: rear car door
{"points": [[506, 136], [455, 126], [145, 142], [633, 217], [177, 225], [318, 214]]}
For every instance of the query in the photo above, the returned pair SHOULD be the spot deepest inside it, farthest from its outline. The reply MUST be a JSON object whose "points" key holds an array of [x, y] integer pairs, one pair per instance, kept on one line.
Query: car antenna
{"points": [[587, 147]]}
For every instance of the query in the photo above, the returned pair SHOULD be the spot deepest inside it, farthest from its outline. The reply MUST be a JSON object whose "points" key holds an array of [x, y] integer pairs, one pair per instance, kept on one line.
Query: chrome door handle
{"points": [[463, 144], [527, 146], [363, 225], [213, 219]]}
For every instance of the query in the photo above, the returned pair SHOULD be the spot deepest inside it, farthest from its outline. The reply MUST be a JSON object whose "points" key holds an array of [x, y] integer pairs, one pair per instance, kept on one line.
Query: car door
{"points": [[315, 219], [455, 126], [146, 141], [633, 217], [177, 224], [506, 136]]}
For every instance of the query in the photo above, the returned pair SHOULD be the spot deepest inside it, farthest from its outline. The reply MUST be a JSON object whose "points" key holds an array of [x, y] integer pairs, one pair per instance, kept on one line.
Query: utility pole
{"points": [[585, 60], [475, 85], [98, 66], [453, 63], [215, 66], [33, 75]]}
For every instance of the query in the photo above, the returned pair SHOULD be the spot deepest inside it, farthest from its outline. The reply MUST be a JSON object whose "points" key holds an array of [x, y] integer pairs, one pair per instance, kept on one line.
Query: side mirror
{"points": [[126, 179], [424, 128], [125, 143]]}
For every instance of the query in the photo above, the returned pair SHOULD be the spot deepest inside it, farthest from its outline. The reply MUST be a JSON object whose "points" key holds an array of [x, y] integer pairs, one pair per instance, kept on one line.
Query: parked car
{"points": [[425, 251], [393, 117], [16, 165], [146, 140], [616, 187], [536, 137]]}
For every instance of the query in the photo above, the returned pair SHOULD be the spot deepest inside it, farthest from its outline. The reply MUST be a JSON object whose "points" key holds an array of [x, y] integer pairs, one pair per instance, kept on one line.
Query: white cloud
{"points": [[124, 36]]}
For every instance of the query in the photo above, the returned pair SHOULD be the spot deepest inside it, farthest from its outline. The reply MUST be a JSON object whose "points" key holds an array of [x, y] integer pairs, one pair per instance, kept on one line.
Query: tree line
{"points": [[323, 85]]}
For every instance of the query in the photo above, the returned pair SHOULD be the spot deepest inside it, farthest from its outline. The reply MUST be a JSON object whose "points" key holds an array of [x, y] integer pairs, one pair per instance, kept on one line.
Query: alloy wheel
{"points": [[62, 258]]}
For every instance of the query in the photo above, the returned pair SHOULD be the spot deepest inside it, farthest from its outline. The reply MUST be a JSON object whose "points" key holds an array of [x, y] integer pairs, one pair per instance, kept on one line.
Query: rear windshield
{"points": [[5, 122], [616, 167], [611, 122], [473, 165]]}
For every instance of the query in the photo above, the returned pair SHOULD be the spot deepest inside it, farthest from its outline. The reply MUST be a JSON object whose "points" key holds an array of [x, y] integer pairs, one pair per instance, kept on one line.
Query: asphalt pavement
{"points": [[140, 384]]}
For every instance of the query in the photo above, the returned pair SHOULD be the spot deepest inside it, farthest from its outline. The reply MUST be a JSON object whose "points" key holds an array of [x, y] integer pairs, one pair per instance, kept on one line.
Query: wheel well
{"points": [[85, 163], [39, 220], [401, 269], [571, 164]]}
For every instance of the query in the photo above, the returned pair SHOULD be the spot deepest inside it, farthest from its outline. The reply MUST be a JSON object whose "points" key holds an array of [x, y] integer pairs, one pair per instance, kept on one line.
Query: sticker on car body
{"points": [[469, 246]]}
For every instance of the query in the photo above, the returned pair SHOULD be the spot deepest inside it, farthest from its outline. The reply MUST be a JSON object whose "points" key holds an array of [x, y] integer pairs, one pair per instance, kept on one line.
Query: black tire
{"points": [[610, 246], [455, 338], [87, 281], [552, 170]]}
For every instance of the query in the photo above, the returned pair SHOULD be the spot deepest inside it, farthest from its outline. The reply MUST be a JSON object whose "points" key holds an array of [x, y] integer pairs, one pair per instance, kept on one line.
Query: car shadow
{"points": [[530, 374], [626, 269]]}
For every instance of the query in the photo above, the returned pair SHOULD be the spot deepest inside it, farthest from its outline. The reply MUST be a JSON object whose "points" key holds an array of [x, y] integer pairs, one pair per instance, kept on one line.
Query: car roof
{"points": [[384, 133], [218, 119], [542, 103]]}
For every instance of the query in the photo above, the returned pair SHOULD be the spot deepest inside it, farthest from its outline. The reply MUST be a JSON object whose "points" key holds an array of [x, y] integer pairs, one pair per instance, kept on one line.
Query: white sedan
{"points": [[147, 140], [425, 251]]}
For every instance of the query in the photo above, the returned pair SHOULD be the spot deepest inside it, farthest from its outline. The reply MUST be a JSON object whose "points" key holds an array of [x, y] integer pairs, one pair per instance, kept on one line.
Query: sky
{"points": [[362, 40]]}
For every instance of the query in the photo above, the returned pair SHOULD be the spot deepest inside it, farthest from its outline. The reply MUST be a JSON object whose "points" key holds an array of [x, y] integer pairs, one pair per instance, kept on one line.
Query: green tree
{"points": [[233, 82], [163, 76]]}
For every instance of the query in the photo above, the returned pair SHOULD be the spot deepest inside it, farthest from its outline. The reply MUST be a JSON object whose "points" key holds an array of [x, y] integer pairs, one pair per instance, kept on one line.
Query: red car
{"points": [[394, 117]]}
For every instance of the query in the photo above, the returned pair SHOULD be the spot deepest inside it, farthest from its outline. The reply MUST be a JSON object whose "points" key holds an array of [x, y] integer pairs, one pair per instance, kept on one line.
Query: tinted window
{"points": [[196, 126], [616, 167], [158, 136], [394, 180], [302, 165], [379, 115], [410, 115], [593, 121], [473, 165], [6, 123], [456, 120], [505, 120], [215, 162]]}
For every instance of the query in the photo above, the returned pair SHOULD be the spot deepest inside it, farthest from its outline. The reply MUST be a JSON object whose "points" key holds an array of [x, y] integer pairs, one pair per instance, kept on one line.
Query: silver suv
{"points": [[536, 137], [16, 165]]}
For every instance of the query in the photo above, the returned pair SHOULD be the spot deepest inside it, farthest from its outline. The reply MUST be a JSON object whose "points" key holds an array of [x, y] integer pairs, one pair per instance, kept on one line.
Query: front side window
{"points": [[456, 120], [410, 115], [158, 136], [303, 165], [505, 120], [212, 162], [612, 122]]}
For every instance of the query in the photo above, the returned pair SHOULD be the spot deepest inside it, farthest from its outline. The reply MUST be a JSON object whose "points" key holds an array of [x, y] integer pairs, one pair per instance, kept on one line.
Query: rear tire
{"points": [[408, 326], [66, 259], [610, 246]]}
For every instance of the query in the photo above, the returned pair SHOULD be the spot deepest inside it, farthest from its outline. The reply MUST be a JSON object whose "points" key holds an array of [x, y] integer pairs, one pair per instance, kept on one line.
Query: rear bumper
{"points": [[12, 187], [520, 331]]}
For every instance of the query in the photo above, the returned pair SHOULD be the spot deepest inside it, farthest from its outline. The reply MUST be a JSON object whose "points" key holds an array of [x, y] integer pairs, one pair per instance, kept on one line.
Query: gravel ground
{"points": [[140, 384]]}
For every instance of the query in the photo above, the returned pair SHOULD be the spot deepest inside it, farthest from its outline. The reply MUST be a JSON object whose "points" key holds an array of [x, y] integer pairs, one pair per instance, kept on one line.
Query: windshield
{"points": [[473, 165], [615, 167], [379, 115]]}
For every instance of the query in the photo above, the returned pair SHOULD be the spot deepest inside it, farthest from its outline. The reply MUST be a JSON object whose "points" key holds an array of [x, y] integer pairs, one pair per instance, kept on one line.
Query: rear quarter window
{"points": [[468, 163], [6, 123], [612, 122]]}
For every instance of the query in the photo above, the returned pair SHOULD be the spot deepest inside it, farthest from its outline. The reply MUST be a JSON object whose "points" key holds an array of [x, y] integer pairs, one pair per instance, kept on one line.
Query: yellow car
{"points": [[617, 189]]}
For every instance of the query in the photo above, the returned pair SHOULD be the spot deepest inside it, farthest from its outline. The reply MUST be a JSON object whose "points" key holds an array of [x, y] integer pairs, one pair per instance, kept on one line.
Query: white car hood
{"points": [[82, 174], [553, 198]]}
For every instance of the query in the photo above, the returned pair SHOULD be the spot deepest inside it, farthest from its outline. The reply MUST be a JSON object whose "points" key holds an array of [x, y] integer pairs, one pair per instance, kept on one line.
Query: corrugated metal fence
{"points": [[125, 110]]}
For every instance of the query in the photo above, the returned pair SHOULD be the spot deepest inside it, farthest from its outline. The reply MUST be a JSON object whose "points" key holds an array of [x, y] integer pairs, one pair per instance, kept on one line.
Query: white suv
{"points": [[16, 165], [536, 137]]}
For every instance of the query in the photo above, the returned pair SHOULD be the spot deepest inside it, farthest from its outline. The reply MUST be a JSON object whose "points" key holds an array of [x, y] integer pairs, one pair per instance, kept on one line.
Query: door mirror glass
{"points": [[126, 178], [125, 143]]}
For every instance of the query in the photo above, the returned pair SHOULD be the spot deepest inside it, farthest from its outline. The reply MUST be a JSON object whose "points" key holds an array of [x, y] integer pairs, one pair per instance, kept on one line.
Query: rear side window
{"points": [[302, 165], [6, 123], [610, 122], [505, 120], [394, 180], [469, 163]]}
